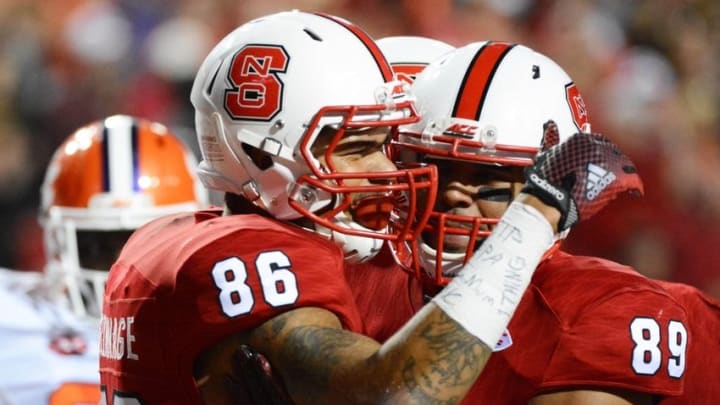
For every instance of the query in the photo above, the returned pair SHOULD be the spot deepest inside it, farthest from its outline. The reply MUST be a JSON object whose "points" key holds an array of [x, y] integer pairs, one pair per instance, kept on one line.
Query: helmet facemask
{"points": [[78, 261], [455, 231], [359, 210]]}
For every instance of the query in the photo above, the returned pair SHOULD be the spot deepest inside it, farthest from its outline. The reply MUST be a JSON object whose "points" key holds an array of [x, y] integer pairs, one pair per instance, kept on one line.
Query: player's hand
{"points": [[580, 176], [253, 379]]}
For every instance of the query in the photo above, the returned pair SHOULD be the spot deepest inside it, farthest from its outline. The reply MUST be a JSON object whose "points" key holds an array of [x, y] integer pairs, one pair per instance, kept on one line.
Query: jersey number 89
{"points": [[647, 335]]}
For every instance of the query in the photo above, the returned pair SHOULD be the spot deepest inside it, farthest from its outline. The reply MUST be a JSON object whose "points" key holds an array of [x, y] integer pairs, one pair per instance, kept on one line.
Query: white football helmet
{"points": [[492, 103], [272, 85], [107, 179], [409, 54]]}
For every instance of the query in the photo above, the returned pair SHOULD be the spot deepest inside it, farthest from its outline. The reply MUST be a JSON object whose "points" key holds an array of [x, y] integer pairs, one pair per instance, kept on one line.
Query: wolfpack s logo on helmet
{"points": [[268, 89], [488, 103], [577, 105], [256, 86]]}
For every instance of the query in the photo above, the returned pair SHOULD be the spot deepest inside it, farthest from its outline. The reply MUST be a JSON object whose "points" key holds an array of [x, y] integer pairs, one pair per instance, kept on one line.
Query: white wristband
{"points": [[485, 293]]}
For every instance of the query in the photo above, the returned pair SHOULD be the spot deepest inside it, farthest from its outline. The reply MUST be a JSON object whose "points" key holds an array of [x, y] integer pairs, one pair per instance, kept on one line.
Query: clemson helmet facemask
{"points": [[106, 180], [272, 86], [490, 103]]}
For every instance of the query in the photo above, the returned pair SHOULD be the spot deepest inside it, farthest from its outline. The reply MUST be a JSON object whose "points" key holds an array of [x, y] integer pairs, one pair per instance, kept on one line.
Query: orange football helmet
{"points": [[107, 179]]}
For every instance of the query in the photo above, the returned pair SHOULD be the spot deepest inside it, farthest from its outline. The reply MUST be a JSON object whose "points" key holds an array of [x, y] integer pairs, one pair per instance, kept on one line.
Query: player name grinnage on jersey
{"points": [[116, 338]]}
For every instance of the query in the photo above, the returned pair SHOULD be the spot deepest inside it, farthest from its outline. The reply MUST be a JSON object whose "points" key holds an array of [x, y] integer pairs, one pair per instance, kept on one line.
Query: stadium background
{"points": [[649, 72]]}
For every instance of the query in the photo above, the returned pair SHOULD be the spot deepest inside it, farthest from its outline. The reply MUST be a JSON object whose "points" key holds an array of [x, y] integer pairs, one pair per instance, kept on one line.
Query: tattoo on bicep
{"points": [[270, 330], [327, 345], [277, 326]]}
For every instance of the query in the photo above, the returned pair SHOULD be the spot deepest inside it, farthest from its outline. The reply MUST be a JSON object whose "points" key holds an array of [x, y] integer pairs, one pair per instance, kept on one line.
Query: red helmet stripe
{"points": [[475, 84], [383, 65]]}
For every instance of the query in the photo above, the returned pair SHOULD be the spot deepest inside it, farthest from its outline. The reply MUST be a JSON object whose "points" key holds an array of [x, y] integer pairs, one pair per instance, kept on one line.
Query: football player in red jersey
{"points": [[293, 112], [587, 330]]}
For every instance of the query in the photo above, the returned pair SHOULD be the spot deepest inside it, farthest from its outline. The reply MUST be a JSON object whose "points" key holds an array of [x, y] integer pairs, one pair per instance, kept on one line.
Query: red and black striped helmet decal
{"points": [[382, 63], [477, 80]]}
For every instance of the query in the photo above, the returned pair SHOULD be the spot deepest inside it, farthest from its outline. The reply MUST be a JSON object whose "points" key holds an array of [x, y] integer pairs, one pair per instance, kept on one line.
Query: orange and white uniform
{"points": [[48, 355]]}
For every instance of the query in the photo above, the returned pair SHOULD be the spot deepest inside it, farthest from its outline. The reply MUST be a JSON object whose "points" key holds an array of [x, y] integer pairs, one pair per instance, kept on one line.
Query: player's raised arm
{"points": [[441, 351]]}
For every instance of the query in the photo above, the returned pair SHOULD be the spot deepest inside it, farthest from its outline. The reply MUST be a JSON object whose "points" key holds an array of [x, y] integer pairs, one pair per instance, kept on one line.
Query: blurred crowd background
{"points": [[648, 70]]}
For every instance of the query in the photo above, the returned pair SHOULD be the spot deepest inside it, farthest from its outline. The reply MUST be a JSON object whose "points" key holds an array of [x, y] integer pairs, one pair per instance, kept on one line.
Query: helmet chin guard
{"points": [[357, 249]]}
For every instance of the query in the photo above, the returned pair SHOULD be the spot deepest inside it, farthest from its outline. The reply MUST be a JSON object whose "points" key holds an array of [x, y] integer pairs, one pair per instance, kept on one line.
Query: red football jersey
{"points": [[187, 281], [386, 296], [586, 322], [703, 358], [583, 322]]}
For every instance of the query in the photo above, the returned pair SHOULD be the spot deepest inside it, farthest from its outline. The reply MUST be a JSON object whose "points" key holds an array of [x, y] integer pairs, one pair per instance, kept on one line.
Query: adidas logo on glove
{"points": [[597, 179], [545, 185]]}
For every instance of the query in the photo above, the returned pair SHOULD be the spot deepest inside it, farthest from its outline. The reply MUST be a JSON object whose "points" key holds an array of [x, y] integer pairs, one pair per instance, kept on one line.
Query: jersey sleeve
{"points": [[634, 340], [182, 288], [249, 277]]}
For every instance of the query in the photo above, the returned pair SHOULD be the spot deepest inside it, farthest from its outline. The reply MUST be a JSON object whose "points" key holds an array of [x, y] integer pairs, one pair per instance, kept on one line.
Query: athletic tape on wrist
{"points": [[485, 293]]}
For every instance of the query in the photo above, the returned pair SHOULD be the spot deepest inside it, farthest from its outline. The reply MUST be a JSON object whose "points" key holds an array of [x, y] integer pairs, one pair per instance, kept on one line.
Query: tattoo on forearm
{"points": [[455, 361], [327, 345], [445, 363]]}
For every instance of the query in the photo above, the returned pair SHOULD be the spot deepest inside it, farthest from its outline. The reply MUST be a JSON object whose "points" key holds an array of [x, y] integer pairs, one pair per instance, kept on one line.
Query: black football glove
{"points": [[580, 176]]}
